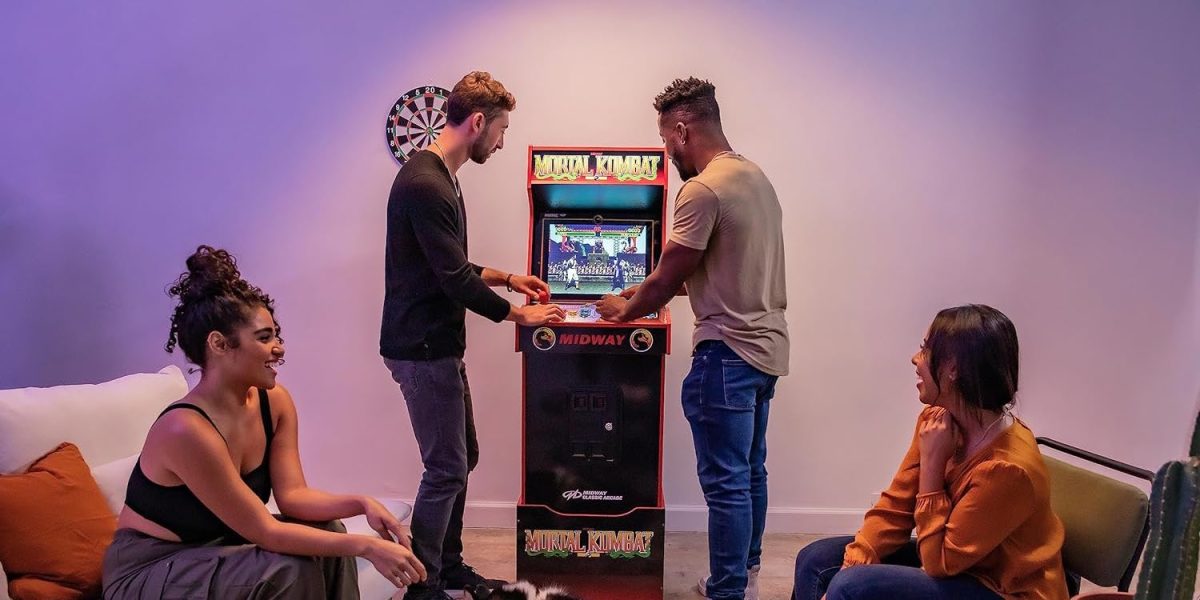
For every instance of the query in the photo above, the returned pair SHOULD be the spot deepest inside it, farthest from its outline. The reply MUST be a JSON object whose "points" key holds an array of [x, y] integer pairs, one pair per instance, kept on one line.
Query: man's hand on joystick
{"points": [[612, 308], [529, 285]]}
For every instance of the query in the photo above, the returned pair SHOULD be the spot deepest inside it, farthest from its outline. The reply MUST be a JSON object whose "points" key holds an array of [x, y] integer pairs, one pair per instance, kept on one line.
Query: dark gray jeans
{"points": [[439, 406], [140, 566]]}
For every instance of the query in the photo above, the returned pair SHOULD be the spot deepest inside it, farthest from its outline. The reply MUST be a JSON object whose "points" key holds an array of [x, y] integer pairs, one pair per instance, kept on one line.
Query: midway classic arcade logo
{"points": [[591, 495], [564, 543]]}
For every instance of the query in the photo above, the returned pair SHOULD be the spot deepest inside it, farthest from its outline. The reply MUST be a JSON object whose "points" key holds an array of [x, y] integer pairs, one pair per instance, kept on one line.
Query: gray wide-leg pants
{"points": [[140, 566]]}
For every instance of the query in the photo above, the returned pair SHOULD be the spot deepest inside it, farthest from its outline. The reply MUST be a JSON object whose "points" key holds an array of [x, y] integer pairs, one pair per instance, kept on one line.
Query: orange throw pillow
{"points": [[54, 528]]}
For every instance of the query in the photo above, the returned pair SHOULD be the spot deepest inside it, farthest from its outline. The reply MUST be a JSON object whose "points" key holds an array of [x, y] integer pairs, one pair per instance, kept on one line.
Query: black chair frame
{"points": [[1119, 467]]}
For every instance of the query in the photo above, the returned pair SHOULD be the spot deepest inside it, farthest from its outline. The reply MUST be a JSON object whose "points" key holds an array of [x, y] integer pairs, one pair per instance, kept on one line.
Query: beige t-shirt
{"points": [[739, 291]]}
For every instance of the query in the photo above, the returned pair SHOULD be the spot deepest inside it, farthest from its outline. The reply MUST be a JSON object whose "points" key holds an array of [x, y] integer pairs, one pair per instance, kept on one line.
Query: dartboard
{"points": [[415, 120]]}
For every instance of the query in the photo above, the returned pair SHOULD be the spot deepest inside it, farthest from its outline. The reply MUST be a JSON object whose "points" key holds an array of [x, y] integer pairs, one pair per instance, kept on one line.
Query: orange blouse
{"points": [[993, 521]]}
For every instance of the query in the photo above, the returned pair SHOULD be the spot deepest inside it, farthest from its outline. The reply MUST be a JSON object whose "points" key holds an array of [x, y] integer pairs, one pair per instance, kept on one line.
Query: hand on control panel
{"points": [[536, 314], [530, 286], [611, 308]]}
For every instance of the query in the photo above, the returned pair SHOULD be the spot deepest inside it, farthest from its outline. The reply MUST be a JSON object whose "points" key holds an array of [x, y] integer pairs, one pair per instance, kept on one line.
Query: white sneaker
{"points": [[751, 584]]}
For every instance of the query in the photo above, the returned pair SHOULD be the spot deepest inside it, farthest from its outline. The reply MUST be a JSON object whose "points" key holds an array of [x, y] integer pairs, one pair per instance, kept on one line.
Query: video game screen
{"points": [[584, 259]]}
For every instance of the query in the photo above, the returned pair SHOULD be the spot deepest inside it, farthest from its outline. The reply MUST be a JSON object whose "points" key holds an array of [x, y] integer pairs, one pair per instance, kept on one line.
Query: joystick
{"points": [[544, 297]]}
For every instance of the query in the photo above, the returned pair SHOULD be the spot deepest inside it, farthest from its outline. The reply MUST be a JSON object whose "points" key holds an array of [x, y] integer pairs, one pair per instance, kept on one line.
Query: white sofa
{"points": [[108, 422]]}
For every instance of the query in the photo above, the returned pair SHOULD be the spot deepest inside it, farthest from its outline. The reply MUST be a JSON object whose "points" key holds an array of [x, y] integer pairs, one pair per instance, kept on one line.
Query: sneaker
{"points": [[464, 577], [751, 584]]}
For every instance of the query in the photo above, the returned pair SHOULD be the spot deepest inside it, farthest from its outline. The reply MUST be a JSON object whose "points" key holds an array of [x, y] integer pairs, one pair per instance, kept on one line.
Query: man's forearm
{"points": [[651, 295], [493, 277]]}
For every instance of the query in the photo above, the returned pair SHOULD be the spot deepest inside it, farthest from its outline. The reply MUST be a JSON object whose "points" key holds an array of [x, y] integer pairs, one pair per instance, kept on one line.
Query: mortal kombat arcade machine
{"points": [[591, 512]]}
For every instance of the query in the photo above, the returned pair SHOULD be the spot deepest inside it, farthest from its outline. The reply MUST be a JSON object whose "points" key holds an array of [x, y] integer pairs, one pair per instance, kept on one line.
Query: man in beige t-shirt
{"points": [[726, 244]]}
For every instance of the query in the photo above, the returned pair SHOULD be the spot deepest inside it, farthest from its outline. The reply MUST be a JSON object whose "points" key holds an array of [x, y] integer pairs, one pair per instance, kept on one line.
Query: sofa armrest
{"points": [[358, 524], [372, 585]]}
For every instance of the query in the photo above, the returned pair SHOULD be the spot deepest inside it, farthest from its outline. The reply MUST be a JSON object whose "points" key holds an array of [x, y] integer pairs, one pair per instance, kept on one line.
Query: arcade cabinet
{"points": [[591, 513]]}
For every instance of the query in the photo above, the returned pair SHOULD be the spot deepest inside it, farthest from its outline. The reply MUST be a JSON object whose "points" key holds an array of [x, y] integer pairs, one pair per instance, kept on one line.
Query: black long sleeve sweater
{"points": [[429, 281]]}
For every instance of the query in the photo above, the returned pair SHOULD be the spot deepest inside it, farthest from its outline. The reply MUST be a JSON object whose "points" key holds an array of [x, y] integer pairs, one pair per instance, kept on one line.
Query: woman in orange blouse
{"points": [[972, 485]]}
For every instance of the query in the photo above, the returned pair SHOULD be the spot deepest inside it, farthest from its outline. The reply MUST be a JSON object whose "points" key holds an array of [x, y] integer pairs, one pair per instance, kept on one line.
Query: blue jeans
{"points": [[726, 401], [819, 571]]}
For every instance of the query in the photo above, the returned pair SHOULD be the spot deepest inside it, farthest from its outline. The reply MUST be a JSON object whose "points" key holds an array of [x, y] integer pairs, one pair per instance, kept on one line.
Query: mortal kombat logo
{"points": [[596, 166], [641, 340], [565, 543], [544, 338]]}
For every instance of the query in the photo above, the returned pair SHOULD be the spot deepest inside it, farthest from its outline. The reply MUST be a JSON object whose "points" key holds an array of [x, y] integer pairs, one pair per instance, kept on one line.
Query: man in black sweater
{"points": [[429, 286]]}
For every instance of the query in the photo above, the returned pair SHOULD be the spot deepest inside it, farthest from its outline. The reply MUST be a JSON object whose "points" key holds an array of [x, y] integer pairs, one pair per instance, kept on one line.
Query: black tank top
{"points": [[177, 509]]}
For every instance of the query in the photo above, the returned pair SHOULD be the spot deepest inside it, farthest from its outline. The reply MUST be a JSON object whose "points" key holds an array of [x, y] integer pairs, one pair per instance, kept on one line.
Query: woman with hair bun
{"points": [[972, 485], [195, 522]]}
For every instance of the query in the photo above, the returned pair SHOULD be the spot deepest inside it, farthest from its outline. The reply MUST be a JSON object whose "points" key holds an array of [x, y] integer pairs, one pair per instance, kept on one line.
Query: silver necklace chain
{"points": [[983, 436], [441, 154]]}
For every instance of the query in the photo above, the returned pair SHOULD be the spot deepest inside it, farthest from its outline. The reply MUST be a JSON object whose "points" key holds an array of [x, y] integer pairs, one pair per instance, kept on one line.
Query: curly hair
{"points": [[212, 297], [693, 99], [477, 92]]}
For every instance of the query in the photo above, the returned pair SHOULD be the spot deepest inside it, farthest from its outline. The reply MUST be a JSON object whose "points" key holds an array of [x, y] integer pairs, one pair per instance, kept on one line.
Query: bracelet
{"points": [[508, 282]]}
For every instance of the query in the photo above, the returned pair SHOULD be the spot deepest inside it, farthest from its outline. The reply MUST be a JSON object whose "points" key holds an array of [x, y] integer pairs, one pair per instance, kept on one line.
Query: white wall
{"points": [[1040, 158]]}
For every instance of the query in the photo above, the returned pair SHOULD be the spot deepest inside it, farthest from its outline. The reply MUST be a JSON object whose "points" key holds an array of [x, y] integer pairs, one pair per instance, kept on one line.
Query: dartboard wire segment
{"points": [[415, 121]]}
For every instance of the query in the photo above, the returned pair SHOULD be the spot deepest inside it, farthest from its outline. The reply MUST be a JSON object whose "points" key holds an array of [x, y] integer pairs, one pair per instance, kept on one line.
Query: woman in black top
{"points": [[195, 521]]}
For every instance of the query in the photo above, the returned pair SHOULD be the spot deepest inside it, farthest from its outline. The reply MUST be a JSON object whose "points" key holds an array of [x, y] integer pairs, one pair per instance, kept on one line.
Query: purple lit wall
{"points": [[1042, 158]]}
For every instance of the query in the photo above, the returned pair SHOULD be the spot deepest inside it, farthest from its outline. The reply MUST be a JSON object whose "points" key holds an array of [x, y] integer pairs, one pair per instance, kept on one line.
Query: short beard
{"points": [[479, 150], [684, 174]]}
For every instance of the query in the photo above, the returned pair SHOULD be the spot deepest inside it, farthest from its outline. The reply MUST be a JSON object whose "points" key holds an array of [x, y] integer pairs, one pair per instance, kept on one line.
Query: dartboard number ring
{"points": [[415, 120]]}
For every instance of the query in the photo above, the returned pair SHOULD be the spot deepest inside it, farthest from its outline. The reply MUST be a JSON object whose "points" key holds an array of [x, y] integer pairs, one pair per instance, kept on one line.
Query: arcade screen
{"points": [[584, 259]]}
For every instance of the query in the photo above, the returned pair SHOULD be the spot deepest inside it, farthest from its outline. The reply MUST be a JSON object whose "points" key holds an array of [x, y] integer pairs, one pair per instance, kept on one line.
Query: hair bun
{"points": [[212, 297], [213, 263], [211, 271]]}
